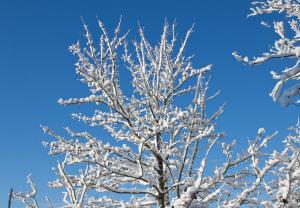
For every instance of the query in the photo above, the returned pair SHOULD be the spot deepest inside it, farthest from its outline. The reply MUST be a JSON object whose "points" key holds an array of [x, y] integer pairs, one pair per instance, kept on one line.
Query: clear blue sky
{"points": [[37, 69]]}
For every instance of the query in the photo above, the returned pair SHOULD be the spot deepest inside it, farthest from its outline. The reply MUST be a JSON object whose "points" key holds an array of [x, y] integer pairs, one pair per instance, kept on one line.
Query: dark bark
{"points": [[160, 171], [10, 198]]}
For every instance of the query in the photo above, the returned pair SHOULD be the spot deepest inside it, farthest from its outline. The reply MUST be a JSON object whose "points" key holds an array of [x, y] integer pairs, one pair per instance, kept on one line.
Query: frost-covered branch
{"points": [[287, 46], [212, 189], [28, 198]]}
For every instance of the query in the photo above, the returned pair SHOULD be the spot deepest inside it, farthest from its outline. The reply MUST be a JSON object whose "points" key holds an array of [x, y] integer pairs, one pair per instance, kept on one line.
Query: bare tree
{"points": [[161, 148], [287, 46]]}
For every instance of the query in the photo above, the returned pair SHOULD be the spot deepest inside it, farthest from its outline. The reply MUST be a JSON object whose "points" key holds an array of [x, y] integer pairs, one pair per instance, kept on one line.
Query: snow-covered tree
{"points": [[286, 47], [285, 189], [164, 150]]}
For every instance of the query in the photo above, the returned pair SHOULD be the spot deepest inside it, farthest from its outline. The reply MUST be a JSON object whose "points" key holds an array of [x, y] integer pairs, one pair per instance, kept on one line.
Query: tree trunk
{"points": [[10, 198], [161, 179], [161, 197]]}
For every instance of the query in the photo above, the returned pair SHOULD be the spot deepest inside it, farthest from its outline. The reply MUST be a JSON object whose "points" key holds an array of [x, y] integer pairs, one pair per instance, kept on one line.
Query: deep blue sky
{"points": [[37, 69]]}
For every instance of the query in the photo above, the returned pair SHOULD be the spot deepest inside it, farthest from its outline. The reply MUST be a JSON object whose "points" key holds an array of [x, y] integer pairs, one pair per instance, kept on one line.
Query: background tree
{"points": [[160, 152], [286, 187], [287, 46]]}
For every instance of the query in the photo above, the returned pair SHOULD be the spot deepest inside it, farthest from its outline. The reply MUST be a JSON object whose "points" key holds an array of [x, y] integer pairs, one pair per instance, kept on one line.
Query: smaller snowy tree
{"points": [[286, 187], [287, 46], [162, 137]]}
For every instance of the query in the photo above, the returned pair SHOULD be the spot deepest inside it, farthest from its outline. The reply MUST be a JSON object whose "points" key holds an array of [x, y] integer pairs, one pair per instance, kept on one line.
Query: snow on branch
{"points": [[287, 46], [28, 198]]}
